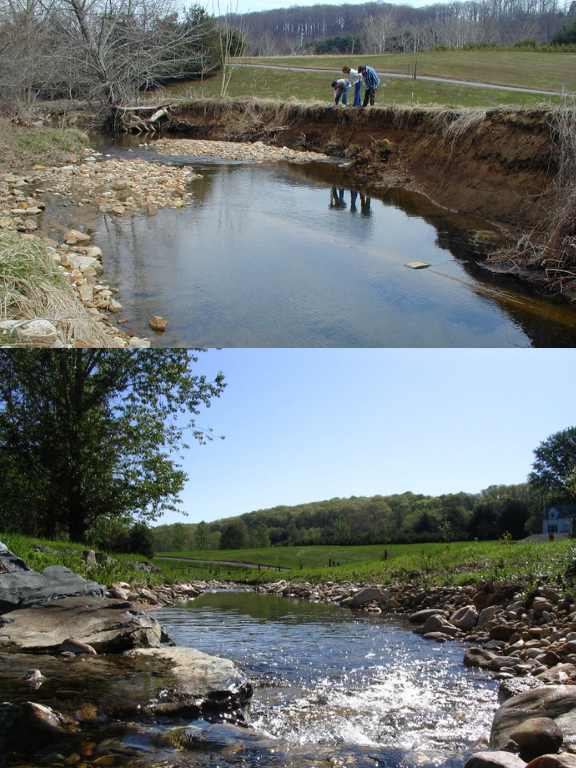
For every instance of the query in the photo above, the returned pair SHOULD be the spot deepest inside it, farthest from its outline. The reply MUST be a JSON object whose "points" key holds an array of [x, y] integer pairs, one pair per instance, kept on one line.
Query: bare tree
{"points": [[29, 55], [378, 30], [120, 47]]}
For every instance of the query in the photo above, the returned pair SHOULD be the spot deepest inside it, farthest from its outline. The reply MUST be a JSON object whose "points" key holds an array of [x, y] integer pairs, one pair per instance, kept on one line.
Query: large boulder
{"points": [[106, 624], [536, 737], [557, 702], [22, 587]]}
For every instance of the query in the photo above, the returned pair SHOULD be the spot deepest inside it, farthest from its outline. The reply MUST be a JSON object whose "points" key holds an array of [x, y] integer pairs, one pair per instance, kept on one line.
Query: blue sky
{"points": [[305, 425]]}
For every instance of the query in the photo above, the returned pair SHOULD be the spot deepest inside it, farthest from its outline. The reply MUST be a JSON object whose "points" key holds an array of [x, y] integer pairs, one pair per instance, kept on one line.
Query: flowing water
{"points": [[279, 255], [326, 676]]}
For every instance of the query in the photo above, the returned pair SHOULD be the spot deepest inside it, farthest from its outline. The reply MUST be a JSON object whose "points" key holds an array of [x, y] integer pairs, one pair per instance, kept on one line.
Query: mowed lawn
{"points": [[534, 70]]}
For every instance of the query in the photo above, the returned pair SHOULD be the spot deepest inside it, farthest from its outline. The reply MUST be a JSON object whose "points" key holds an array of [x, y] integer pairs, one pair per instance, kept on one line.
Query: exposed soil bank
{"points": [[496, 164]]}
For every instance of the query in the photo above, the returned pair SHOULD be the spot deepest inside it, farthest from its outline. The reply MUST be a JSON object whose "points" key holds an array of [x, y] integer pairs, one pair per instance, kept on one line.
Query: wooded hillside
{"points": [[511, 511], [376, 27]]}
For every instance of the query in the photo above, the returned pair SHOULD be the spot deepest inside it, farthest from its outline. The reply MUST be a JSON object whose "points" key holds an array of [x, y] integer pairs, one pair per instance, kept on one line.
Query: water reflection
{"points": [[337, 201], [276, 255]]}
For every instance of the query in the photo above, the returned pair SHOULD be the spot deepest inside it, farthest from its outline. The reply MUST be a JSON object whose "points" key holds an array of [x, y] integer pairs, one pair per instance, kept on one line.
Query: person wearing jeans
{"points": [[341, 88], [356, 80], [371, 82]]}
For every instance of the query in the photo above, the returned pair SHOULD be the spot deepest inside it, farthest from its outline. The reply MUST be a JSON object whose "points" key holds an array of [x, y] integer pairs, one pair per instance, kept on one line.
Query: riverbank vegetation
{"points": [[110, 567], [432, 564]]}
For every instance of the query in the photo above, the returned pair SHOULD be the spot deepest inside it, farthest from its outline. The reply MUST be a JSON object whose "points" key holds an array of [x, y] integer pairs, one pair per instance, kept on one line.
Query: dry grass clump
{"points": [[31, 287], [548, 255]]}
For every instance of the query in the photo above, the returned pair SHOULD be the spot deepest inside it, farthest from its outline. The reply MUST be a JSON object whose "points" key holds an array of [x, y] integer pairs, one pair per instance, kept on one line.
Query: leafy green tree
{"points": [[233, 537], [202, 536], [566, 35], [179, 538], [341, 532], [261, 536], [93, 434], [140, 540], [554, 467]]}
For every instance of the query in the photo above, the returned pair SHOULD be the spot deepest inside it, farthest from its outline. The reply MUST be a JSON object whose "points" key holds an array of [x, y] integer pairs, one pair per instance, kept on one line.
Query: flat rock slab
{"points": [[108, 625], [25, 588], [171, 683]]}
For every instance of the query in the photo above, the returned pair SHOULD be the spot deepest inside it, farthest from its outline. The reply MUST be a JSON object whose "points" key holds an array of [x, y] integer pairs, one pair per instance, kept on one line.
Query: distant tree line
{"points": [[504, 510], [376, 27]]}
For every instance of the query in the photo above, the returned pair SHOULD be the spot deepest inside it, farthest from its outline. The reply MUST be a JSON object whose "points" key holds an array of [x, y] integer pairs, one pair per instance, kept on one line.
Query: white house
{"points": [[559, 519]]}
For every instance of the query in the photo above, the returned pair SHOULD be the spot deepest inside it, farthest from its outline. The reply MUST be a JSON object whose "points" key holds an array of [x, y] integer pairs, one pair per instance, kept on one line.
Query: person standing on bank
{"points": [[356, 80], [371, 82], [341, 88]]}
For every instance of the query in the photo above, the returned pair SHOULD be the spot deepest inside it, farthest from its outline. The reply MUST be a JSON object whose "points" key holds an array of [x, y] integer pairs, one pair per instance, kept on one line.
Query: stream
{"points": [[283, 255], [364, 687]]}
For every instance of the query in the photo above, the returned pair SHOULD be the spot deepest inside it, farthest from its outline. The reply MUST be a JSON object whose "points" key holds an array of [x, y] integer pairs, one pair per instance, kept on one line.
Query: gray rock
{"points": [[365, 596], [107, 625], [25, 588], [478, 657], [465, 618], [494, 760], [10, 563], [514, 686], [564, 760], [420, 616], [486, 615]]}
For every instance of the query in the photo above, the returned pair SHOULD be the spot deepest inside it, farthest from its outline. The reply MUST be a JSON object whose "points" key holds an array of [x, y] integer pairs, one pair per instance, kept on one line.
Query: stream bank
{"points": [[150, 703]]}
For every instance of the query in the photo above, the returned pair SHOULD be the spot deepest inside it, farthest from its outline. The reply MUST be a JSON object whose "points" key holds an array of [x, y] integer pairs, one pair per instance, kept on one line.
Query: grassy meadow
{"points": [[434, 564], [309, 78]]}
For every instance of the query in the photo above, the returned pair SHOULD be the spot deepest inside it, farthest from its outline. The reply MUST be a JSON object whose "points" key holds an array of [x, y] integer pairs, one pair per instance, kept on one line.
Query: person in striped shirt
{"points": [[371, 82]]}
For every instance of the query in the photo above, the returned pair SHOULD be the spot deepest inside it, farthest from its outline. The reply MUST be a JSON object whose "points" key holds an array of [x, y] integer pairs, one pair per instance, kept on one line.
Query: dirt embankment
{"points": [[496, 164]]}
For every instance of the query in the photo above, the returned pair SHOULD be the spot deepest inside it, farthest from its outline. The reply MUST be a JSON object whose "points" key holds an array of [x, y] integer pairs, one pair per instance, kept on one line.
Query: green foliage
{"points": [[233, 537], [566, 35], [261, 536], [340, 44], [201, 536], [41, 553], [554, 467], [90, 435], [400, 518]]}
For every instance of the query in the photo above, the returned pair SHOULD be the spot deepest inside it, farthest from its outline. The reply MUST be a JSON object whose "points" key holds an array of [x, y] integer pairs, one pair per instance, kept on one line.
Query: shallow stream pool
{"points": [[282, 255], [326, 676]]}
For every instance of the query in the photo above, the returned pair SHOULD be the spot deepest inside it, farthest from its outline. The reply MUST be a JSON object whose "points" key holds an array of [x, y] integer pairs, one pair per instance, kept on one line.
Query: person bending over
{"points": [[341, 88]]}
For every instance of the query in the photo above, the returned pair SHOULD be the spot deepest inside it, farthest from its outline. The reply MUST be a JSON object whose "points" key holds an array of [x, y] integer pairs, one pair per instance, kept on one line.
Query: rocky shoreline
{"points": [[58, 630], [526, 638], [113, 186]]}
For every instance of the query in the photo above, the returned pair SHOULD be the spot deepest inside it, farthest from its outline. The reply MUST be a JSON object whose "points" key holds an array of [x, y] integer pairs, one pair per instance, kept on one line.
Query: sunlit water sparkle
{"points": [[324, 676]]}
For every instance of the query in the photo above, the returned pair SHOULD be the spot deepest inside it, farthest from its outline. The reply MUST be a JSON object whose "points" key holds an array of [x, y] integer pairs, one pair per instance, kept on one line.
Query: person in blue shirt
{"points": [[371, 82]]}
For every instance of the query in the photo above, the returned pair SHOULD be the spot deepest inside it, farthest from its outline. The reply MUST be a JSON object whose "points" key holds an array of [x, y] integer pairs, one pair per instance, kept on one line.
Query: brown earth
{"points": [[497, 164]]}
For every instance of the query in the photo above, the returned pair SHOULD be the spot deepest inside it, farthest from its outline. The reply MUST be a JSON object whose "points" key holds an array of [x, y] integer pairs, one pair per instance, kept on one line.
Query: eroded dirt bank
{"points": [[496, 164]]}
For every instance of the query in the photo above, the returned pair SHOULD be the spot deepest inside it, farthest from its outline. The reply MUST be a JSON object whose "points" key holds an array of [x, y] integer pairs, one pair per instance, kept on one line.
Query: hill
{"points": [[498, 511]]}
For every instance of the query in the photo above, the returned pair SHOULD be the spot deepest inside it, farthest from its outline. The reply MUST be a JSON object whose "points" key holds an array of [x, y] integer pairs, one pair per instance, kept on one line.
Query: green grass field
{"points": [[527, 69], [428, 564]]}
